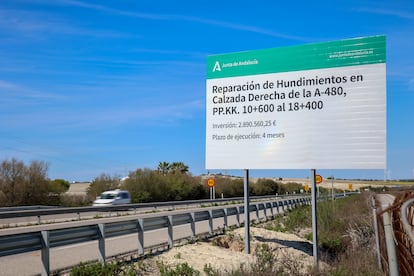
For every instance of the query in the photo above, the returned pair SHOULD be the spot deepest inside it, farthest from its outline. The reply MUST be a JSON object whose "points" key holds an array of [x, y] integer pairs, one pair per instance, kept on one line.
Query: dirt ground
{"points": [[226, 253]]}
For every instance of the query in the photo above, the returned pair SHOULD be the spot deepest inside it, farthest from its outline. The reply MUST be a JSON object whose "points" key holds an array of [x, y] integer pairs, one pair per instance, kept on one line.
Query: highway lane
{"points": [[58, 218], [67, 256]]}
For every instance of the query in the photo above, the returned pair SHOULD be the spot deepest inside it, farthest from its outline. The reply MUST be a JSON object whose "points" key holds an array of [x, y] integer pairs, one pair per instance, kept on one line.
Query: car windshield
{"points": [[108, 196]]}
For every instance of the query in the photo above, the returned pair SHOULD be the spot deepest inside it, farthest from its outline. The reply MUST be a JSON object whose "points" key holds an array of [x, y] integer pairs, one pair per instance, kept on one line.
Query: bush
{"points": [[345, 233], [96, 269], [147, 185], [180, 270]]}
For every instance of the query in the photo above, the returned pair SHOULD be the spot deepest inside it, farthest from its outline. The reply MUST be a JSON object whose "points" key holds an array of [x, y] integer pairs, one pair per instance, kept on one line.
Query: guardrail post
{"points": [[225, 219], [271, 209], [38, 220], [284, 205], [265, 211], [210, 221], [170, 232], [101, 242], [257, 213], [140, 227], [193, 230], [238, 216], [277, 206], [45, 252], [79, 218]]}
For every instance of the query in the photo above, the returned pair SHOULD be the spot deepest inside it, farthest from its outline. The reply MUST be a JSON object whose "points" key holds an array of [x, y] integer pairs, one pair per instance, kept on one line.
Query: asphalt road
{"points": [[67, 256]]}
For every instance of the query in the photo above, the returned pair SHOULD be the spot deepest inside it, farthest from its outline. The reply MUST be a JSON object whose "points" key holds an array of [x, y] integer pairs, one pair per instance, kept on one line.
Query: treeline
{"points": [[146, 185], [22, 184], [172, 181]]}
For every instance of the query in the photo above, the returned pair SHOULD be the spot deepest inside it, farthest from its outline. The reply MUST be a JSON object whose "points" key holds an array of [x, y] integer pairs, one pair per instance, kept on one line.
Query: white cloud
{"points": [[175, 17], [391, 12], [19, 93], [36, 25]]}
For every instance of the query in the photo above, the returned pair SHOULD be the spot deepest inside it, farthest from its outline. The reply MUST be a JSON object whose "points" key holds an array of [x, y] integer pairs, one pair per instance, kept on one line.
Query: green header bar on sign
{"points": [[350, 52]]}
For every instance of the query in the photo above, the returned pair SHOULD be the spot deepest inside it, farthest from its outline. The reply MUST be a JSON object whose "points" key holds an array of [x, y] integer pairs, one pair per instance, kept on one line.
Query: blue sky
{"points": [[95, 87]]}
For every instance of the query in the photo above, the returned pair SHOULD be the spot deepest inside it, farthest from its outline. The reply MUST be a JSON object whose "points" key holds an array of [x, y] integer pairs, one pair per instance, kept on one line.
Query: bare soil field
{"points": [[226, 253]]}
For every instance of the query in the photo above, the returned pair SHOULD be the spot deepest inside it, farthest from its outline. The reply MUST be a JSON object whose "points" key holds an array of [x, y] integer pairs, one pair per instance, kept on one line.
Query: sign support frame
{"points": [[314, 219], [246, 211]]}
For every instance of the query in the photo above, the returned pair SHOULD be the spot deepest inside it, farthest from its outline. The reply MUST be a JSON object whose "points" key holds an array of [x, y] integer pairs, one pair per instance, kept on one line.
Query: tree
{"points": [[265, 186], [23, 185], [147, 185], [12, 177], [178, 167], [58, 186], [229, 187], [163, 167], [102, 183], [36, 185]]}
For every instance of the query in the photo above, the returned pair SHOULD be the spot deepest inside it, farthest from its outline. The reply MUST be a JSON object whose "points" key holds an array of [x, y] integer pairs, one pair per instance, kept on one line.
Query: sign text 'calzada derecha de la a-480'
{"points": [[311, 106]]}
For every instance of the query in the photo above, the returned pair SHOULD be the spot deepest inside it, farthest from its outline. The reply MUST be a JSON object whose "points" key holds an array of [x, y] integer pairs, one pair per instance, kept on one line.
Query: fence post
{"points": [[389, 240], [170, 232], [45, 253], [140, 226], [374, 214], [101, 242]]}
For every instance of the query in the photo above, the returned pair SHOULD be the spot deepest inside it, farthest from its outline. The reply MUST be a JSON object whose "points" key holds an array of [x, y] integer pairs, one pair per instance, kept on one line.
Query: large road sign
{"points": [[311, 106]]}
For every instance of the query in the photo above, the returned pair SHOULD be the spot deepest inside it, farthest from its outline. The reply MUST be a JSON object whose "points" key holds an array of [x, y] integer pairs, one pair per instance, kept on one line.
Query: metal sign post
{"points": [[247, 211], [211, 183], [314, 219]]}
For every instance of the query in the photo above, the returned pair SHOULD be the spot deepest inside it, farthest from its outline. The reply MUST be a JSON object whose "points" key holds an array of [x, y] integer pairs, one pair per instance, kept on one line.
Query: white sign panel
{"points": [[313, 106]]}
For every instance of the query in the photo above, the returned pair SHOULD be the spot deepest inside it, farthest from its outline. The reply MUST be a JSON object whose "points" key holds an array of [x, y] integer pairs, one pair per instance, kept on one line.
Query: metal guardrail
{"points": [[38, 212], [44, 240], [22, 208]]}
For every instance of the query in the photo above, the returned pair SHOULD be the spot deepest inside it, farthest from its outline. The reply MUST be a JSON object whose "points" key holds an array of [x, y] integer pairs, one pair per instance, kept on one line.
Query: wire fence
{"points": [[395, 234]]}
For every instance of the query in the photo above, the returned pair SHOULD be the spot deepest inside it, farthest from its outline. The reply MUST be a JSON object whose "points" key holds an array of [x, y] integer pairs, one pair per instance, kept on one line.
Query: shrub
{"points": [[180, 270]]}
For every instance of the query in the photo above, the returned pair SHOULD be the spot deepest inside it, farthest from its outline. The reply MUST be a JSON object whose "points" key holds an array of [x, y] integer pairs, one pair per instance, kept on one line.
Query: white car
{"points": [[115, 197]]}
